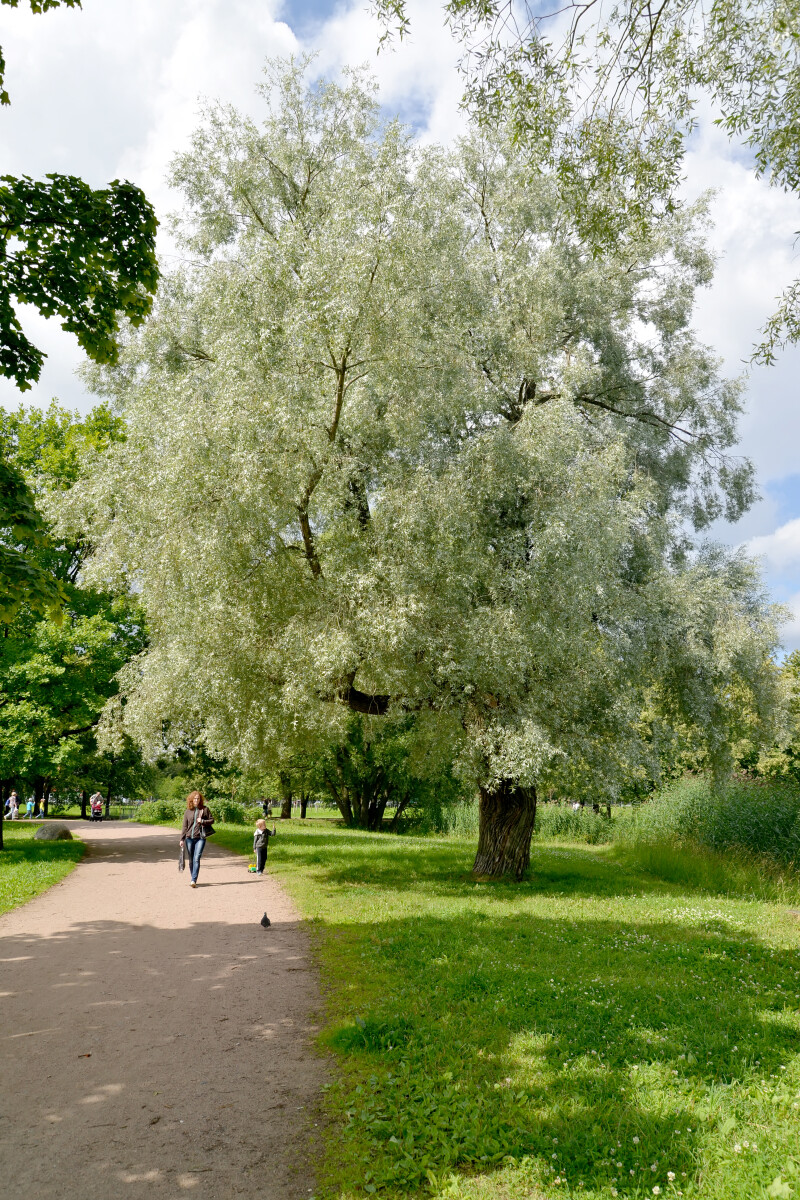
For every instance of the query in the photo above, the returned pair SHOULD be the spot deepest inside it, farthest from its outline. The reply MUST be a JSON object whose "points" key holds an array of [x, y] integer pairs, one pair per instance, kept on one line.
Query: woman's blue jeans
{"points": [[194, 850]]}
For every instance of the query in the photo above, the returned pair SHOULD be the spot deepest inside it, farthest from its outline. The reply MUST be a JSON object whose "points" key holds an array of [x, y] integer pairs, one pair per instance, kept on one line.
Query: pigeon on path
{"points": [[265, 921]]}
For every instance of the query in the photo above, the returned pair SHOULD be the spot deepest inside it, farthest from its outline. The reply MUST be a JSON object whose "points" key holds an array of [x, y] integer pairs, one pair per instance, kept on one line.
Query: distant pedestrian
{"points": [[266, 807], [197, 826], [13, 807], [261, 844], [29, 809], [11, 798], [96, 804]]}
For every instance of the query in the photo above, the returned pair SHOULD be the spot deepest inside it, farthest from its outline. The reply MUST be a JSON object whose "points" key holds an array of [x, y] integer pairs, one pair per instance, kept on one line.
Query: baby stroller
{"points": [[97, 809]]}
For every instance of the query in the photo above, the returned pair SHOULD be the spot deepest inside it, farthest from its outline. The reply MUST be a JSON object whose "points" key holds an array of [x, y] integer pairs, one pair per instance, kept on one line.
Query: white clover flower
{"points": [[737, 1149], [653, 1166], [671, 1176], [636, 1141], [656, 1190]]}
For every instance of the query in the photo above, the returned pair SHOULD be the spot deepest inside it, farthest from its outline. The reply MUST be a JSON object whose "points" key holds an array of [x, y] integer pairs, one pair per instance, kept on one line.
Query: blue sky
{"points": [[111, 91]]}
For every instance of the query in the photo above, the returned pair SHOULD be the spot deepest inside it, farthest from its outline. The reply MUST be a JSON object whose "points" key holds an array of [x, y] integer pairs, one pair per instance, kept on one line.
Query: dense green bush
{"points": [[154, 812], [228, 811], [583, 825], [761, 816]]}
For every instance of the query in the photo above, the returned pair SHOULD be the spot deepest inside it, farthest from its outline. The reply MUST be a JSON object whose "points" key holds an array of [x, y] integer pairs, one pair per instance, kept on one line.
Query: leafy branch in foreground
{"points": [[82, 255]]}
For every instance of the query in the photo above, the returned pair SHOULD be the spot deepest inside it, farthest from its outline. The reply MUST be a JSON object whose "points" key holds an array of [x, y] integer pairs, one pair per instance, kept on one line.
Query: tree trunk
{"points": [[398, 812], [84, 802], [286, 794], [303, 805], [108, 802], [507, 817]]}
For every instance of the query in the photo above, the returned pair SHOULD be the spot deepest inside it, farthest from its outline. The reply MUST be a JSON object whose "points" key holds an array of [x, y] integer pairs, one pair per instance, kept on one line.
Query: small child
{"points": [[261, 844]]}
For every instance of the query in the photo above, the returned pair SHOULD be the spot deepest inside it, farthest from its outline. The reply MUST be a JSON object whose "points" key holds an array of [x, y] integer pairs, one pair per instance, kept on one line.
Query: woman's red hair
{"points": [[195, 796]]}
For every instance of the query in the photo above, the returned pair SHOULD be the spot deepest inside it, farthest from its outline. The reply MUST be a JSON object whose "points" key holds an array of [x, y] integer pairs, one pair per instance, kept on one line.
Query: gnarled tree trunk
{"points": [[507, 816]]}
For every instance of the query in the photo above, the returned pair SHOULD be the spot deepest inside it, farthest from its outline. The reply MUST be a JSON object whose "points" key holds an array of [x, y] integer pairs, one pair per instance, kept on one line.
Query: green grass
{"points": [[508, 1041], [28, 867]]}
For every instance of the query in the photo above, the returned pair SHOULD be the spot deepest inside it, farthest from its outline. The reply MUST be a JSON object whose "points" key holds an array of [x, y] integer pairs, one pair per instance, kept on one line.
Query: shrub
{"points": [[231, 812], [761, 817], [581, 825], [155, 812]]}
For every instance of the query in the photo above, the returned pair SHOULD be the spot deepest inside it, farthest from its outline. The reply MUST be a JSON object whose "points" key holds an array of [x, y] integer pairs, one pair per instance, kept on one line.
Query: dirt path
{"points": [[154, 1039]]}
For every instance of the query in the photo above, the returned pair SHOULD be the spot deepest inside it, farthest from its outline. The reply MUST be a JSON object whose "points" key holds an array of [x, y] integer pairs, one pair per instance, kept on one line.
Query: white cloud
{"points": [[417, 76], [779, 550]]}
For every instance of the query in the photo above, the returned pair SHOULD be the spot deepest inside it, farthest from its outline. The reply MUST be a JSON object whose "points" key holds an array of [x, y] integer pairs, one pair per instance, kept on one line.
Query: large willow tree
{"points": [[399, 442]]}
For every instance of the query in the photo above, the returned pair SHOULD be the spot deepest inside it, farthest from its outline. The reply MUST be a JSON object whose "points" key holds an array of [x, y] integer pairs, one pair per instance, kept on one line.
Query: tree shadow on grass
{"points": [[444, 868], [576, 1045]]}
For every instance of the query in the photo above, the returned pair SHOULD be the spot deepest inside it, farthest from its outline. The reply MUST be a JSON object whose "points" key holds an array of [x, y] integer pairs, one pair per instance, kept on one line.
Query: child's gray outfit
{"points": [[261, 846]]}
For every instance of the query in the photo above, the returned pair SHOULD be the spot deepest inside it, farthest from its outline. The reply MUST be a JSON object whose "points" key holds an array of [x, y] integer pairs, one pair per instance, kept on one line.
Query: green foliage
{"points": [[583, 825], [404, 445], [23, 579], [83, 255], [55, 678], [373, 766], [609, 96], [493, 1039], [28, 867], [758, 816], [160, 812]]}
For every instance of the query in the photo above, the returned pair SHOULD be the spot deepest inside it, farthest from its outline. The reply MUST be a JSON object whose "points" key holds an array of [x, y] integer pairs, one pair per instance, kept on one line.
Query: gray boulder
{"points": [[53, 833]]}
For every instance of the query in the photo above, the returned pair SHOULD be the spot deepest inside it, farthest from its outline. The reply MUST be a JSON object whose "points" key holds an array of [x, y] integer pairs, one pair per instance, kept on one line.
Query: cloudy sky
{"points": [[112, 90]]}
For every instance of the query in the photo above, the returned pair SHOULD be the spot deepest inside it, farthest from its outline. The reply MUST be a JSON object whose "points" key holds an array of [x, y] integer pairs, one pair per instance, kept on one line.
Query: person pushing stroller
{"points": [[261, 838]]}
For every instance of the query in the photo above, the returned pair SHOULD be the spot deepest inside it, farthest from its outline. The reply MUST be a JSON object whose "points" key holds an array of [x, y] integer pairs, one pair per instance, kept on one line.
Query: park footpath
{"points": [[155, 1039]]}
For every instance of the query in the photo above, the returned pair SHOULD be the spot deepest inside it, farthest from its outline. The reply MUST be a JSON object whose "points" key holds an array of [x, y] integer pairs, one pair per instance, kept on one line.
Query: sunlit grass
{"points": [[592, 1032], [28, 867]]}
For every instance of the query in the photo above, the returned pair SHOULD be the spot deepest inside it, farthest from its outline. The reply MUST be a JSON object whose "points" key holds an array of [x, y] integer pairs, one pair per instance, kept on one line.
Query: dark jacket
{"points": [[204, 819], [261, 839]]}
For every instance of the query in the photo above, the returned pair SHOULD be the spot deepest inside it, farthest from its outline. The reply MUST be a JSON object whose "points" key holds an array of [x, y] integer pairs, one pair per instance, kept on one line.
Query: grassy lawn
{"points": [[594, 1032], [28, 867]]}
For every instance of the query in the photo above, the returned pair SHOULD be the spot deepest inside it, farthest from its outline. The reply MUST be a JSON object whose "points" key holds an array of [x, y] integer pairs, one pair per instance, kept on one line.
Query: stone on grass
{"points": [[53, 833]]}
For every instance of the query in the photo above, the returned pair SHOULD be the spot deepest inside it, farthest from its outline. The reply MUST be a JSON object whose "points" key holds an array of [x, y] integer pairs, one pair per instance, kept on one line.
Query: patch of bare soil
{"points": [[154, 1039]]}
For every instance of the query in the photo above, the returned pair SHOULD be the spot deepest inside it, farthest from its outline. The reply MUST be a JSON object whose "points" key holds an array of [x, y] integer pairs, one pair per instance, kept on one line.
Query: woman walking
{"points": [[197, 824]]}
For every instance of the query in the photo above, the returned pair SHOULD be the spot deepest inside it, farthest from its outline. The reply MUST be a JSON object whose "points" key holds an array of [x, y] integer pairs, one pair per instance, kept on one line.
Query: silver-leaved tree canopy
{"points": [[399, 442]]}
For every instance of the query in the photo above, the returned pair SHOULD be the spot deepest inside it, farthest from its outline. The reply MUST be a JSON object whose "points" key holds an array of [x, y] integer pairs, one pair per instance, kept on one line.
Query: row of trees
{"points": [[402, 443], [56, 675]]}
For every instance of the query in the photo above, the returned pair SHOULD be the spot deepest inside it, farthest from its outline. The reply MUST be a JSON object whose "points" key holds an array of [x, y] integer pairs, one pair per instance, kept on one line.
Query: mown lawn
{"points": [[28, 867], [594, 1032]]}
